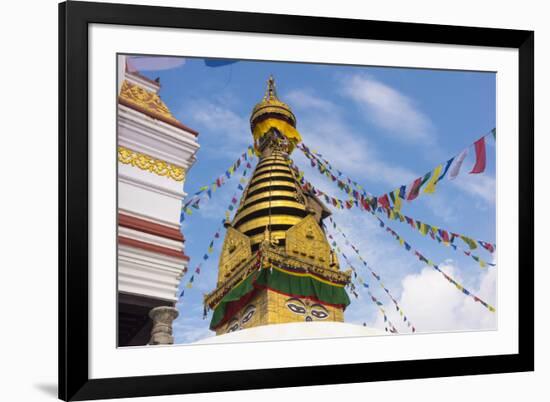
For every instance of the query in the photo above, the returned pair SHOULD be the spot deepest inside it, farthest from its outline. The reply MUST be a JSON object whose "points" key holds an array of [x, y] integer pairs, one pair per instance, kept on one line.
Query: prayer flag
{"points": [[397, 199], [424, 228], [487, 246], [455, 169], [479, 166], [402, 191], [414, 187], [384, 201], [430, 187], [447, 166], [470, 242]]}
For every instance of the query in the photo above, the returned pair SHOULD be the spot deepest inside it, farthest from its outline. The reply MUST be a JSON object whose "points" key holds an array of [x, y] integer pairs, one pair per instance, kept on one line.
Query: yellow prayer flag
{"points": [[470, 242], [423, 229], [397, 202], [482, 263], [430, 186]]}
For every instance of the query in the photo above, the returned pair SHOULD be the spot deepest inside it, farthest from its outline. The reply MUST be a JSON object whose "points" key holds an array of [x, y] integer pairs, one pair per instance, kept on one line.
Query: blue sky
{"points": [[381, 126]]}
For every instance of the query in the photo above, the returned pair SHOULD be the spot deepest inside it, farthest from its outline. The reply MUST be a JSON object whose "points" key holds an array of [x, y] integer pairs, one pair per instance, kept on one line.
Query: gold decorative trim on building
{"points": [[146, 99], [150, 164]]}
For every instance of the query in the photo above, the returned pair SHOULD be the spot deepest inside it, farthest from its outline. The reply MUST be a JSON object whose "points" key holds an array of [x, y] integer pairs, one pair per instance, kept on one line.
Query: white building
{"points": [[155, 151]]}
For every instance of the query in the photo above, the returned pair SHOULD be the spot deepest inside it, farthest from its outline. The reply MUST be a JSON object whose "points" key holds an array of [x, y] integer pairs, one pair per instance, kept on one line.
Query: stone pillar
{"points": [[162, 317]]}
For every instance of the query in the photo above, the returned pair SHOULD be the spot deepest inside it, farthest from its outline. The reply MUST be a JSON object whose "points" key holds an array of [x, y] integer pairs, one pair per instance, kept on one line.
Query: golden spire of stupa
{"points": [[277, 226]]}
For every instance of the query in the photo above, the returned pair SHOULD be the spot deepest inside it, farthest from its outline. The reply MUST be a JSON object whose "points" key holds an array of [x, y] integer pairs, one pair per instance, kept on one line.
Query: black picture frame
{"points": [[74, 19]]}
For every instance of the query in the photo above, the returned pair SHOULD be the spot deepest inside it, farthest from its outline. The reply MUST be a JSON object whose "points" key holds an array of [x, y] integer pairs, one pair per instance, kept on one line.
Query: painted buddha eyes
{"points": [[320, 313], [235, 324], [295, 308], [248, 313], [310, 312]]}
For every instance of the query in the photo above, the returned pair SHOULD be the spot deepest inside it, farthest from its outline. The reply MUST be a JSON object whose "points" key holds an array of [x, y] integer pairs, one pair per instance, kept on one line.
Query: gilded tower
{"points": [[276, 265]]}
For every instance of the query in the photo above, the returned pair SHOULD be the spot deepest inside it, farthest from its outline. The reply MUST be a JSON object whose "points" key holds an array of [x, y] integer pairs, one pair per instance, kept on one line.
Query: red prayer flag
{"points": [[384, 201], [415, 187], [479, 167]]}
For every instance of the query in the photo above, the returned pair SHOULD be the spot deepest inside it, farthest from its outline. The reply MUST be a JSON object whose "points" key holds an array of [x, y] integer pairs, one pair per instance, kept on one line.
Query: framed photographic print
{"points": [[350, 200]]}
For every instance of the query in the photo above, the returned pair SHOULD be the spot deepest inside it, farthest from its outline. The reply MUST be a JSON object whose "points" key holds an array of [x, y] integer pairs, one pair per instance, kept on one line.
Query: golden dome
{"points": [[271, 106]]}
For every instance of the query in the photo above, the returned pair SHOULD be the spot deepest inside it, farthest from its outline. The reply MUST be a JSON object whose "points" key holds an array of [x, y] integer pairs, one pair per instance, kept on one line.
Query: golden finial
{"points": [[271, 92], [271, 106]]}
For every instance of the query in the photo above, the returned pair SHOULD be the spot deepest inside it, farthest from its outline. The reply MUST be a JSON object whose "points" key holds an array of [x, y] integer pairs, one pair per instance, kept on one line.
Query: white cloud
{"points": [[217, 122], [388, 108], [434, 304], [479, 185], [187, 331], [306, 100], [349, 151]]}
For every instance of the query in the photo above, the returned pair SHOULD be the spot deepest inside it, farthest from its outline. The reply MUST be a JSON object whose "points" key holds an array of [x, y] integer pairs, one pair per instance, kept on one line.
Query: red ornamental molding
{"points": [[152, 228]]}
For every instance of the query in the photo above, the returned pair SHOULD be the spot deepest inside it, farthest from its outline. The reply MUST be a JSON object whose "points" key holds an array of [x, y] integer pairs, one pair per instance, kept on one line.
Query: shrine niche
{"points": [[236, 249], [306, 240]]}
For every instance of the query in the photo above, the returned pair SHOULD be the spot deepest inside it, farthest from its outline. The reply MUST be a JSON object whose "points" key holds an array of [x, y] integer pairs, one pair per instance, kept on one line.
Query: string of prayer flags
{"points": [[379, 305], [382, 204], [217, 234], [208, 190], [436, 267], [364, 262], [310, 188], [427, 182], [442, 236]]}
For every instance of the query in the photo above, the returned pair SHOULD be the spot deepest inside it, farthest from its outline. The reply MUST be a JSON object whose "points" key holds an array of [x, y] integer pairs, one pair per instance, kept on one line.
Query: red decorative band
{"points": [[156, 229], [152, 247]]}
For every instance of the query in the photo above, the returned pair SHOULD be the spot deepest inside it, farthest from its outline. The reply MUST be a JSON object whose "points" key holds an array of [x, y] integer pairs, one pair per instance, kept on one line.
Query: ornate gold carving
{"points": [[150, 164], [235, 251], [244, 269], [139, 96], [307, 240], [275, 235]]}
